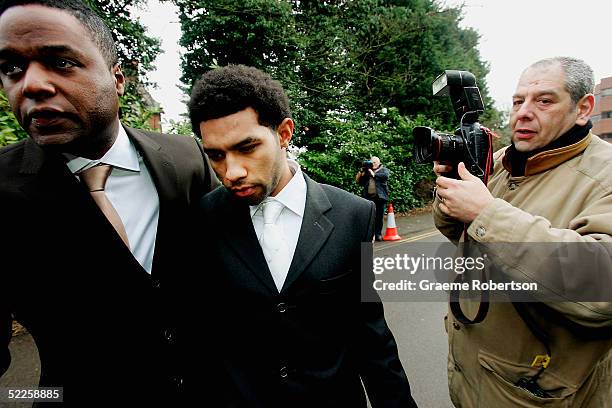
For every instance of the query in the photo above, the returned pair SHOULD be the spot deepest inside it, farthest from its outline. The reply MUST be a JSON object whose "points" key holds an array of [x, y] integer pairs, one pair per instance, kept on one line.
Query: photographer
{"points": [[373, 178], [552, 184]]}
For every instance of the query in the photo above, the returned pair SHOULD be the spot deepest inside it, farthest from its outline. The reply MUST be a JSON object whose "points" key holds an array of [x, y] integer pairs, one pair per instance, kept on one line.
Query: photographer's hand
{"points": [[462, 199], [440, 169]]}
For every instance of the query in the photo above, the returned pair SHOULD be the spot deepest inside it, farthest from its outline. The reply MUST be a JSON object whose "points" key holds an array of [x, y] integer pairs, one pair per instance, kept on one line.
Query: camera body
{"points": [[470, 143], [367, 164]]}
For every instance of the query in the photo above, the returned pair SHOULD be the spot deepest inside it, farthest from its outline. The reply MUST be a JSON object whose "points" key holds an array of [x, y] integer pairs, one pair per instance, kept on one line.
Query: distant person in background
{"points": [[373, 178]]}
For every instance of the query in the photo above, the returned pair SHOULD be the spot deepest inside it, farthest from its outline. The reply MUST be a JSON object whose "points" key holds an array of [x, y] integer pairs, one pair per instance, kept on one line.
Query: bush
{"points": [[10, 130], [336, 155]]}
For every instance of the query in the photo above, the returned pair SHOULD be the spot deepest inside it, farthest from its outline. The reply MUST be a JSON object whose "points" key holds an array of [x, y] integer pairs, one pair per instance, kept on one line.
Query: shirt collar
{"points": [[293, 195], [122, 154]]}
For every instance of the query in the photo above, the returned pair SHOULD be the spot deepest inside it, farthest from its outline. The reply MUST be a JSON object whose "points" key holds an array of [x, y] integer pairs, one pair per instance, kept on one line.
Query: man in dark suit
{"points": [[91, 267], [291, 330]]}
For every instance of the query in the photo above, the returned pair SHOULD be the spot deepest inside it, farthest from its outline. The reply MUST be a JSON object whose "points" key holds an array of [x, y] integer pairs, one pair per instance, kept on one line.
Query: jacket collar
{"points": [[33, 158], [549, 159]]}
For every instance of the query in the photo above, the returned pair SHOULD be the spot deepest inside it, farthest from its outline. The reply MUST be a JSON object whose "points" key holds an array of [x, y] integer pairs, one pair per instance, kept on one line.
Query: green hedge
{"points": [[336, 156]]}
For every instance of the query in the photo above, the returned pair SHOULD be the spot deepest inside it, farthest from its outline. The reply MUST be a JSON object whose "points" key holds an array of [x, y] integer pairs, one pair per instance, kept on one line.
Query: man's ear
{"points": [[584, 108], [285, 132], [119, 79]]}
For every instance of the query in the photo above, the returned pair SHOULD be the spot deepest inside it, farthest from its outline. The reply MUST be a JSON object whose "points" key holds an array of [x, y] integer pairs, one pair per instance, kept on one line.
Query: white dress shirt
{"points": [[132, 192], [293, 198]]}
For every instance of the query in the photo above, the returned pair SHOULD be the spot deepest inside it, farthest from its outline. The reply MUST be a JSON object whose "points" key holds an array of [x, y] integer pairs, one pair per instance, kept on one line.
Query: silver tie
{"points": [[273, 242]]}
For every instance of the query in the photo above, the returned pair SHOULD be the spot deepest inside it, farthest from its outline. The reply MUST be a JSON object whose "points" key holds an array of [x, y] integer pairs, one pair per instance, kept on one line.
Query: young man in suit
{"points": [[291, 330], [93, 213]]}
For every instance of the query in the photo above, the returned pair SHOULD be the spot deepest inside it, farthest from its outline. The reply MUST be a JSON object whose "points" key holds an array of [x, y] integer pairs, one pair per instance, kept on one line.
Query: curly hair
{"points": [[95, 25], [233, 88]]}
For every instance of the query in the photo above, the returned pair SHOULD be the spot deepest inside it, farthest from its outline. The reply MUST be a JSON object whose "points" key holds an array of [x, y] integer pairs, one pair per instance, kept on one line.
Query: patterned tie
{"points": [[95, 180], [273, 242]]}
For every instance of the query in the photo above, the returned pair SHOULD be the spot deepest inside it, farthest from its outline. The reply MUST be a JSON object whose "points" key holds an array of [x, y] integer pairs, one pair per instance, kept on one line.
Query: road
{"points": [[24, 370], [417, 326]]}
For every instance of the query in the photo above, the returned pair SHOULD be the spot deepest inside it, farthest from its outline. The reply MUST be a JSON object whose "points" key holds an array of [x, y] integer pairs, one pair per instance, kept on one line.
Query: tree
{"points": [[258, 33], [388, 135]]}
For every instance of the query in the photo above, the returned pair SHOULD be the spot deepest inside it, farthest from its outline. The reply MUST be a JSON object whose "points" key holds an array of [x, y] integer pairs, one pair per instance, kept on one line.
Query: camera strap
{"points": [[483, 307], [455, 306]]}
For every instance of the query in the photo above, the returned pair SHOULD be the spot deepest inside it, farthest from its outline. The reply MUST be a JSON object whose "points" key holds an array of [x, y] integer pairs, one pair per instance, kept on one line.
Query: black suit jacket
{"points": [[101, 323], [311, 344]]}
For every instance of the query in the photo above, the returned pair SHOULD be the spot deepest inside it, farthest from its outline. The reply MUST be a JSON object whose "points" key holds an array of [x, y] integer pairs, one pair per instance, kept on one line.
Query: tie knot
{"points": [[271, 210], [95, 177]]}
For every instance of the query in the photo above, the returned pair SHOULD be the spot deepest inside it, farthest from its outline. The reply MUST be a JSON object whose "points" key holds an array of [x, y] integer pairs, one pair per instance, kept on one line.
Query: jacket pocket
{"points": [[335, 283], [498, 389]]}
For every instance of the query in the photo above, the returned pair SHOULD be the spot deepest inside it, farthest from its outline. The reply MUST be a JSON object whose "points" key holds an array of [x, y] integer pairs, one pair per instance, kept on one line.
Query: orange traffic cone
{"points": [[391, 232]]}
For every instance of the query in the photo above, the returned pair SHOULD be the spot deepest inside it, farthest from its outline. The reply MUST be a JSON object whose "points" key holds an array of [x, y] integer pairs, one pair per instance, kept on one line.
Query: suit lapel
{"points": [[159, 164], [50, 184], [240, 235], [48, 178], [163, 172], [315, 230]]}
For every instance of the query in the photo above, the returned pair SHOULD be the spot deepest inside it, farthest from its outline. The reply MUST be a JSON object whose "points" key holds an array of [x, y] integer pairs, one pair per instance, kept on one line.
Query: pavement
{"points": [[413, 227], [418, 327]]}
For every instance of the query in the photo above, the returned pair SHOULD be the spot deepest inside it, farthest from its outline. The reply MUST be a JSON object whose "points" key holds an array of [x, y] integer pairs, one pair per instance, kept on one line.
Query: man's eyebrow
{"points": [[538, 93], [58, 49], [547, 92], [247, 141], [44, 50], [7, 53]]}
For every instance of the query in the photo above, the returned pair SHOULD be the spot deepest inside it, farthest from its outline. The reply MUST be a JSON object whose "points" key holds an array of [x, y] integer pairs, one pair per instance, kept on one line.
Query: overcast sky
{"points": [[514, 33]]}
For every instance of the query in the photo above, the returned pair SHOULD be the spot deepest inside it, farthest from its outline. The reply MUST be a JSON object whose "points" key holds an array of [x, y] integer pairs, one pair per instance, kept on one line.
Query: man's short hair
{"points": [[231, 89], [579, 78], [98, 30]]}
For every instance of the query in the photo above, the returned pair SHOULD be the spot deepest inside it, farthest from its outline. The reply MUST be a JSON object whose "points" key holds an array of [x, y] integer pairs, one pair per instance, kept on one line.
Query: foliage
{"points": [[337, 152], [180, 127], [134, 113], [258, 33], [10, 130]]}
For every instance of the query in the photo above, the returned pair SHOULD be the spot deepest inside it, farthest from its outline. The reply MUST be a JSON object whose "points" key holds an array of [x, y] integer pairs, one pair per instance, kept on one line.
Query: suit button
{"points": [[281, 307], [481, 231], [155, 283], [284, 372], [513, 186], [177, 381], [169, 336], [456, 326]]}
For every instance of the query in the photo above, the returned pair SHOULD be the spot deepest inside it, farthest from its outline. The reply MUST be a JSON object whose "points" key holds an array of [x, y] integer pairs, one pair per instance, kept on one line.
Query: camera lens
{"points": [[423, 144], [449, 148], [430, 146]]}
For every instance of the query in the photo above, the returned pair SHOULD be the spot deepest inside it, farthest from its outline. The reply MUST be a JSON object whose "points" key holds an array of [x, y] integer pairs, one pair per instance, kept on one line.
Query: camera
{"points": [[471, 143], [367, 164]]}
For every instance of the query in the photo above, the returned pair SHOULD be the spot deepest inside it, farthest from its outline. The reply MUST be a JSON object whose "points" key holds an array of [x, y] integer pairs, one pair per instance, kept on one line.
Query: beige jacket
{"points": [[565, 196]]}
